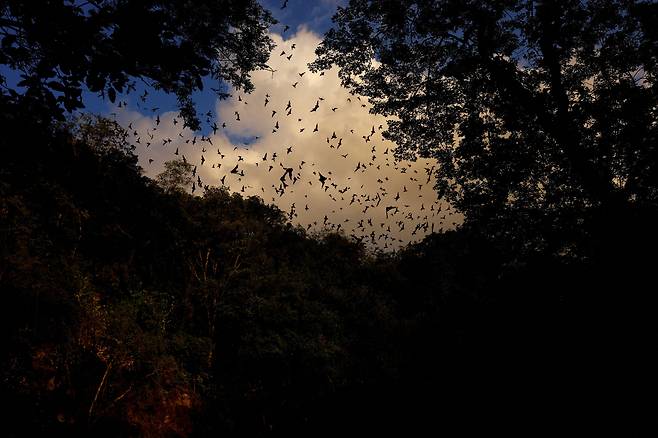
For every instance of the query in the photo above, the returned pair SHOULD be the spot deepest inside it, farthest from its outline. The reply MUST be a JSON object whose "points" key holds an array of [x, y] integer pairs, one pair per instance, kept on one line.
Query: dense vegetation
{"points": [[134, 310]]}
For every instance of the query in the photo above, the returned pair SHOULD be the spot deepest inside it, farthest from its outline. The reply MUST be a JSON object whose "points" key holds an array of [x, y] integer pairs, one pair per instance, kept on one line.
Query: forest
{"points": [[134, 307]]}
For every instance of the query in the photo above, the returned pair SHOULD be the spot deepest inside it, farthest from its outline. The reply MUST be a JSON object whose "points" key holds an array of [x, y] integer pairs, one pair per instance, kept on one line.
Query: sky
{"points": [[302, 143]]}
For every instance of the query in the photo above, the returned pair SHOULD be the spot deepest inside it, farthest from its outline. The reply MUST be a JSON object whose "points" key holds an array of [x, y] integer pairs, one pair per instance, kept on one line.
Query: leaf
{"points": [[57, 86], [8, 41]]}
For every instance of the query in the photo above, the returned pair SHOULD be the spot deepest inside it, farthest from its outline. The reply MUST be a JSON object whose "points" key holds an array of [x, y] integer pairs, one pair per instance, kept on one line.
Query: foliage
{"points": [[101, 134], [135, 310], [176, 176], [540, 113], [140, 310], [59, 48]]}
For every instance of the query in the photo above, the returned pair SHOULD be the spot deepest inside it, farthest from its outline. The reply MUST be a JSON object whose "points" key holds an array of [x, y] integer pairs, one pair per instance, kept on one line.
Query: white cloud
{"points": [[373, 187]]}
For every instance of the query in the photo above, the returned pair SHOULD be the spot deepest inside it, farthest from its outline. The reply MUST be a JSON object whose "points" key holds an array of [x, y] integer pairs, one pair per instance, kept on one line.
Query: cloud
{"points": [[357, 200]]}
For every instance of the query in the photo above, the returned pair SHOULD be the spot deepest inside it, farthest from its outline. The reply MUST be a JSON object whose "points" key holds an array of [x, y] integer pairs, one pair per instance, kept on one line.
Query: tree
{"points": [[101, 134], [176, 176], [60, 47], [538, 112]]}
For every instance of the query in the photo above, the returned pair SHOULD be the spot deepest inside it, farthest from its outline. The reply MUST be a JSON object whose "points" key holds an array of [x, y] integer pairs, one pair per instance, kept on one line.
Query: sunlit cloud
{"points": [[324, 132]]}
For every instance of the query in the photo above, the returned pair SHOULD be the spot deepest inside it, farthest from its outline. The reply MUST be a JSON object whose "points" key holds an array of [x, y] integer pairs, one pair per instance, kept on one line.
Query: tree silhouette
{"points": [[538, 112], [61, 47], [176, 177], [100, 133]]}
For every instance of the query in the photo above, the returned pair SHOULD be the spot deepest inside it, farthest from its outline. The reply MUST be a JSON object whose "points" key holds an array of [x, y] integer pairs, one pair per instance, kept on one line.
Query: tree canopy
{"points": [[61, 47], [538, 112], [135, 309], [176, 177]]}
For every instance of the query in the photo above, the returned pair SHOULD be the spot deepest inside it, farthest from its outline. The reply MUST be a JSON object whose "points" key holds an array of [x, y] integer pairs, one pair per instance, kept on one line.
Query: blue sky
{"points": [[315, 15]]}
